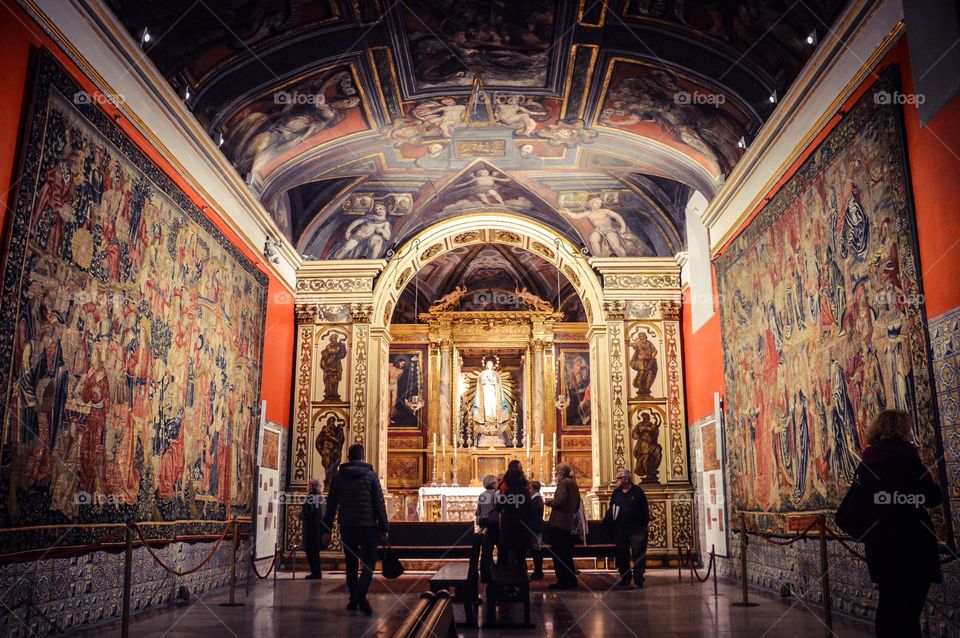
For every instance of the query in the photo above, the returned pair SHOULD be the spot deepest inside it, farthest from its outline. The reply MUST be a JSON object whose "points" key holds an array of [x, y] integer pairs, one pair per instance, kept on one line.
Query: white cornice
{"points": [[860, 36], [91, 35]]}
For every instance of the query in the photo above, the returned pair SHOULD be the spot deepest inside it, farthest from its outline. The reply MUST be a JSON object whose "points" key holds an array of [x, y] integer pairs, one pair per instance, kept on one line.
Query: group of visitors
{"points": [[510, 514], [901, 549]]}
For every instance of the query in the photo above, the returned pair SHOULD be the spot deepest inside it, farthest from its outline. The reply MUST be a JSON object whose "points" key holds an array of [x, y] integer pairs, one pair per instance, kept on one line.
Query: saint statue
{"points": [[644, 363], [647, 452], [489, 402], [329, 444], [331, 363]]}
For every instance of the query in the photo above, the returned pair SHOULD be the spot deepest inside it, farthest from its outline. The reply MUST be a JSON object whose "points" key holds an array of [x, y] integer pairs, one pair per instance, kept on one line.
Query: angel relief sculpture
{"points": [[490, 393]]}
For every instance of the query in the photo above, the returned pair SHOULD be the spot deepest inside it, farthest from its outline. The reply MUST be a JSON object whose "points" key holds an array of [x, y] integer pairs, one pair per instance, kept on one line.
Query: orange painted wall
{"points": [[19, 39], [934, 162], [702, 362]]}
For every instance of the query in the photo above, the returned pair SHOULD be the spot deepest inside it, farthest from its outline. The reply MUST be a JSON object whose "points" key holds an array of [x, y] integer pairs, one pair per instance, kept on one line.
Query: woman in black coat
{"points": [[894, 491], [515, 507]]}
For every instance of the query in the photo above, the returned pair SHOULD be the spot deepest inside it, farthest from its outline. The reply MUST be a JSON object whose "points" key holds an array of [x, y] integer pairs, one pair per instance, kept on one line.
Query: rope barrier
{"points": [[696, 572], [772, 541], [273, 564], [175, 572]]}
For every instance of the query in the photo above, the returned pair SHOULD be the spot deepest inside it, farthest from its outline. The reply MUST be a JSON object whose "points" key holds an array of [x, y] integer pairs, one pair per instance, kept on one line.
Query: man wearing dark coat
{"points": [[355, 495], [313, 528]]}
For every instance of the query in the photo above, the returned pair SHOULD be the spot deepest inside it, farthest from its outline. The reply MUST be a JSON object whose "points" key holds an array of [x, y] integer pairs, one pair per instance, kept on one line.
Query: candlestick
{"points": [[543, 469], [443, 464], [553, 458], [433, 482]]}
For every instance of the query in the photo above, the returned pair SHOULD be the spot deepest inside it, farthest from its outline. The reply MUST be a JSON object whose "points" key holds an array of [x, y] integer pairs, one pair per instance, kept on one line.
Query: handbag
{"points": [[391, 567], [856, 514]]}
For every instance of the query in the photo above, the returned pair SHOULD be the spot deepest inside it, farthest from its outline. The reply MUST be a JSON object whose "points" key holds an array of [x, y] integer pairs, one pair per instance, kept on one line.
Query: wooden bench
{"points": [[508, 584], [464, 579], [415, 617], [438, 621]]}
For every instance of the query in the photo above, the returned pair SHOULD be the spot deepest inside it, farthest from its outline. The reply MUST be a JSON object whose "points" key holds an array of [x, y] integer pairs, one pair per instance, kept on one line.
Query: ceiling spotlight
{"points": [[220, 139], [742, 142], [186, 93], [144, 35], [773, 98], [812, 37]]}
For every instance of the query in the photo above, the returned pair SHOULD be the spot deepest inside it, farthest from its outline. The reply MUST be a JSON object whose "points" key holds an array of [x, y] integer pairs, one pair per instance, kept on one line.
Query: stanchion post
{"points": [[690, 563], [713, 563], [127, 581], [276, 565], [743, 564], [233, 563], [680, 564], [246, 586], [825, 577]]}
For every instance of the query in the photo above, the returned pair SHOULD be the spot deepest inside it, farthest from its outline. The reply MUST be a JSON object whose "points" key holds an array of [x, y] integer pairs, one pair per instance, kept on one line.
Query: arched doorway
{"points": [[438, 358]]}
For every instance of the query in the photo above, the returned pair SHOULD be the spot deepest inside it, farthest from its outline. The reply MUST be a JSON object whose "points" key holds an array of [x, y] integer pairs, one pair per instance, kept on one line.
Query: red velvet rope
{"points": [[189, 571], [791, 541], [273, 563], [696, 572]]}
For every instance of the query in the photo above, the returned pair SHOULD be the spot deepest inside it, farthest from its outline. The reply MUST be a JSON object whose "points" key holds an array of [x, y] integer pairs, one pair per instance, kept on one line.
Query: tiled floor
{"points": [[665, 607]]}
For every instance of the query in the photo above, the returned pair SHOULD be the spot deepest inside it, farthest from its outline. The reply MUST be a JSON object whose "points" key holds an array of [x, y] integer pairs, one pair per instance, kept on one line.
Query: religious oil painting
{"points": [[823, 324], [575, 384], [271, 450], [405, 375], [130, 335]]}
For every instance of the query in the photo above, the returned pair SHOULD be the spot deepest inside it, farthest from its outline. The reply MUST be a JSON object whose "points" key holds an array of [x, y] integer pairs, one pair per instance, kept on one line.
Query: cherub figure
{"points": [[485, 185], [610, 236]]}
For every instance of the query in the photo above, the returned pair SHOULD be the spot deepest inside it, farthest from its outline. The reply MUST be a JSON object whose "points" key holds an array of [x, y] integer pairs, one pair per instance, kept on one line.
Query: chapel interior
{"points": [[705, 242]]}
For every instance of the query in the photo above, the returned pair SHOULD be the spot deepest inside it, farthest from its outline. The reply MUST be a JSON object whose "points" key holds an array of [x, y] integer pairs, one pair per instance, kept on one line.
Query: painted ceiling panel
{"points": [[360, 123]]}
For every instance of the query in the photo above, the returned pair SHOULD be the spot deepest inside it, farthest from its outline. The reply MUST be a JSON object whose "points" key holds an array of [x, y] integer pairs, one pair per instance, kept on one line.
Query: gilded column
{"points": [[445, 424], [538, 398]]}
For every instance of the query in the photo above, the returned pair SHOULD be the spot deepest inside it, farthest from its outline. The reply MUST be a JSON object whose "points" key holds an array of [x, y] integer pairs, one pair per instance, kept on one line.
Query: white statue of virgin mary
{"points": [[490, 402]]}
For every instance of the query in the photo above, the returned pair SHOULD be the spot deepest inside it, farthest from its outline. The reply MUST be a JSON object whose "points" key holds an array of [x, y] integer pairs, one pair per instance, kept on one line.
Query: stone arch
{"points": [[492, 227]]}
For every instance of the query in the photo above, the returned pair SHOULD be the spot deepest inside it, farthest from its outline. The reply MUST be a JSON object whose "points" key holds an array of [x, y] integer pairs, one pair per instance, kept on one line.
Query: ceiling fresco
{"points": [[498, 277], [360, 123]]}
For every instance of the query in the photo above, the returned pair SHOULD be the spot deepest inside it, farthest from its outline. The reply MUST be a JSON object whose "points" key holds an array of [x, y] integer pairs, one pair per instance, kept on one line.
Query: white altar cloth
{"points": [[457, 503]]}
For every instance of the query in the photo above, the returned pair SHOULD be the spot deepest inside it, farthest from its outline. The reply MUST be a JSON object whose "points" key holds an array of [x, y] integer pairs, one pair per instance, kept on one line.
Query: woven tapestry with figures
{"points": [[130, 338], [823, 323]]}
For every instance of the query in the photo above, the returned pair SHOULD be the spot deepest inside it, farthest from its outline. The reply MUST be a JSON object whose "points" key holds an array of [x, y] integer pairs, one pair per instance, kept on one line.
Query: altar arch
{"points": [[486, 227]]}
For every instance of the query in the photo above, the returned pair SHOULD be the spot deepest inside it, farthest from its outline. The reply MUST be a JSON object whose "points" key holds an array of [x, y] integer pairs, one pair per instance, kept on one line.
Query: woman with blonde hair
{"points": [[886, 510]]}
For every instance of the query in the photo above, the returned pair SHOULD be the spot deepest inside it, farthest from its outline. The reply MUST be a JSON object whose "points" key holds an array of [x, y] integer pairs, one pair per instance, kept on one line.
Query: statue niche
{"points": [[490, 396], [647, 452]]}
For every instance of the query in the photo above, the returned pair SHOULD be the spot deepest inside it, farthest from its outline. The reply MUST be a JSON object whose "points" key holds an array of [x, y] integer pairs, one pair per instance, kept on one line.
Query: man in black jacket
{"points": [[355, 492], [312, 517], [629, 517]]}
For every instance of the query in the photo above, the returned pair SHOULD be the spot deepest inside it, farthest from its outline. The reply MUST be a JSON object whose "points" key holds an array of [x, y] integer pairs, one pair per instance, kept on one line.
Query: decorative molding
{"points": [[298, 457], [361, 332], [614, 310], [675, 418], [632, 282], [670, 310], [361, 312], [357, 284], [617, 397]]}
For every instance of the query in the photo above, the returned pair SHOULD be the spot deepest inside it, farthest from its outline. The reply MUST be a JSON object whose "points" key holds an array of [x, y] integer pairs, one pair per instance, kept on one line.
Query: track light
{"points": [[812, 37], [773, 98], [220, 139], [144, 36], [742, 143]]}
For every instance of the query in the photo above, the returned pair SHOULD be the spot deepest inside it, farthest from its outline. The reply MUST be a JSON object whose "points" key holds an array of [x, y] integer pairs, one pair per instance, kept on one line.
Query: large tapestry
{"points": [[130, 339], [823, 322]]}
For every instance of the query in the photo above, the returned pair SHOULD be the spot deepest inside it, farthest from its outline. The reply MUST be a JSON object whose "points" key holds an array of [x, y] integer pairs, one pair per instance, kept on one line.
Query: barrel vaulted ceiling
{"points": [[359, 123]]}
